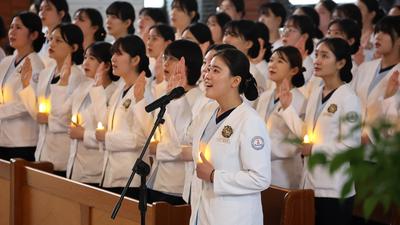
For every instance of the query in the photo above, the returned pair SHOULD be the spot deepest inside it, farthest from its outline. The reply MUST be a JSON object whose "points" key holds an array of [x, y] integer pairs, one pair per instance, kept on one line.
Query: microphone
{"points": [[164, 100]]}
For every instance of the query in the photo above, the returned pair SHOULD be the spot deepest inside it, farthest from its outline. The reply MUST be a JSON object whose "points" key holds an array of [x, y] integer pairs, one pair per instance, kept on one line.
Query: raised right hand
{"points": [[26, 72], [66, 71]]}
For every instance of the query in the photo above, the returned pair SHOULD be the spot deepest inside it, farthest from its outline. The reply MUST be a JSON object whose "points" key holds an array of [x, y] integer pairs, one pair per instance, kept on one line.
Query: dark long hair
{"points": [[124, 11], [102, 52], [95, 20], [134, 46], [193, 57], [72, 34], [34, 24], [295, 60], [341, 50], [239, 65]]}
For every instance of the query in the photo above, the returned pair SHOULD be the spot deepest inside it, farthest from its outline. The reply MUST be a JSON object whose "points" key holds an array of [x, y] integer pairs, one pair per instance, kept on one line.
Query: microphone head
{"points": [[177, 92]]}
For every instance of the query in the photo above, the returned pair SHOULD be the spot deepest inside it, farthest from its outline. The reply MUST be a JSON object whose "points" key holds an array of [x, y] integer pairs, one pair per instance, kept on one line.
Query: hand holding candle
{"points": [[74, 121], [44, 108], [306, 147], [100, 135], [204, 169]]}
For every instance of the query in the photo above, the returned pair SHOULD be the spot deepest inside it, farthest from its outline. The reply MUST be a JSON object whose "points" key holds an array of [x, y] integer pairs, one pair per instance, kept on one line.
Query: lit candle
{"points": [[205, 149], [101, 144], [309, 138], [306, 139], [74, 120], [100, 126], [44, 105]]}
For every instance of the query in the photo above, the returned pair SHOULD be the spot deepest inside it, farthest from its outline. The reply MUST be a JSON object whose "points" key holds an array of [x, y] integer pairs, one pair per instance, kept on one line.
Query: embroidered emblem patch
{"points": [[35, 77], [332, 108], [257, 143], [352, 117], [127, 103], [227, 131]]}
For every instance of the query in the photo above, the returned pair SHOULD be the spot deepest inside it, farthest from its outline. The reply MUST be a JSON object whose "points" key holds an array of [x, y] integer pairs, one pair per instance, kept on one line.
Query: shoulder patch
{"points": [[257, 143], [35, 77], [352, 117]]}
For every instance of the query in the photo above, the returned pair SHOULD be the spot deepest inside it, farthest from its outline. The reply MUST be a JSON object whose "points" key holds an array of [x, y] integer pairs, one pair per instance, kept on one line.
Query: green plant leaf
{"points": [[317, 159], [369, 205]]}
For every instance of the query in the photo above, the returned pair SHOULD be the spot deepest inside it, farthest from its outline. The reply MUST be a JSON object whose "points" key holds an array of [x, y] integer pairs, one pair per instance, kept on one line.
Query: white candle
{"points": [[100, 126], [306, 139], [101, 144], [74, 120]]}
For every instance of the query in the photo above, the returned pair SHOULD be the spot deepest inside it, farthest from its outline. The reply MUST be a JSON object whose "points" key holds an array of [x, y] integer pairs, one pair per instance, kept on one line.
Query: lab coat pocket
{"points": [[90, 159]]}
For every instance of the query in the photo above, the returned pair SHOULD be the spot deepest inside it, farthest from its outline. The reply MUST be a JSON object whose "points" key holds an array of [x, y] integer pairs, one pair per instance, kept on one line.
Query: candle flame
{"points": [[205, 149], [74, 120], [309, 138], [100, 126], [44, 105], [306, 139]]}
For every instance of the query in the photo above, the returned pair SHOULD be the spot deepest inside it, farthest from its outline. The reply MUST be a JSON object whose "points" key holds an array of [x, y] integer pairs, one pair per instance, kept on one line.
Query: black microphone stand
{"points": [[142, 169]]}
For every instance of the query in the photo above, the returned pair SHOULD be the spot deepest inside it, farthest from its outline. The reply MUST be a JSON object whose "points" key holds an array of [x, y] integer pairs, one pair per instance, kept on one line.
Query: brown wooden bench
{"points": [[288, 207], [36, 197]]}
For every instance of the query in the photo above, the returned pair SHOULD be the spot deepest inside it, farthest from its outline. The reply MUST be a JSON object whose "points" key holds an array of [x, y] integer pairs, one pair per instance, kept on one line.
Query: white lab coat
{"points": [[242, 170], [372, 103], [168, 170], [286, 164], [85, 159], [333, 134], [17, 128], [53, 142], [128, 126]]}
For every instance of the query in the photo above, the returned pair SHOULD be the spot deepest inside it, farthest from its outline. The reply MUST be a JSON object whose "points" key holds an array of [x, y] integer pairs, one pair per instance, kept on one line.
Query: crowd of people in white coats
{"points": [[72, 99]]}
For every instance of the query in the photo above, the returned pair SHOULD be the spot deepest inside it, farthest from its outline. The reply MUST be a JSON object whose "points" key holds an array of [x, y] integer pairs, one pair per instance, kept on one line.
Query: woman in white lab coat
{"points": [[168, 170], [299, 32], [244, 36], [231, 147], [52, 13], [128, 125], [372, 77], [332, 112], [349, 31], [286, 166], [18, 133], [159, 37], [85, 159], [66, 50]]}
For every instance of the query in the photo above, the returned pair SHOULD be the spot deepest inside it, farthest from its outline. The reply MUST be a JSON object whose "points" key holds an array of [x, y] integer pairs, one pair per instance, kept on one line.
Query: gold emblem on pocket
{"points": [[332, 108], [227, 131], [127, 103]]}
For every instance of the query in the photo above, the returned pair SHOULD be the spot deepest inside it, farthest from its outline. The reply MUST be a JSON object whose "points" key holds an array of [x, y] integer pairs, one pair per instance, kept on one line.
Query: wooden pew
{"points": [[288, 207], [5, 169], [392, 216], [41, 198], [6, 181]]}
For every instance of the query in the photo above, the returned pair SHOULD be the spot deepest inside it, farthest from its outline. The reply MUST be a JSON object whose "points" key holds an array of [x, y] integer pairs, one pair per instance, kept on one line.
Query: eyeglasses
{"points": [[288, 30], [169, 57]]}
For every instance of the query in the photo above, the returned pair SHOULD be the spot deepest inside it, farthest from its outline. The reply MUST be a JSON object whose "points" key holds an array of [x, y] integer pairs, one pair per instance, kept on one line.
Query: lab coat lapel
{"points": [[380, 88]]}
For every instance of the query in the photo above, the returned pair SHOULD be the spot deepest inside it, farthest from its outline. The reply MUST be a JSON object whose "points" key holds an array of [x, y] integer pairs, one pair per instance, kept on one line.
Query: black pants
{"points": [[333, 211], [132, 192], [156, 196], [27, 153]]}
